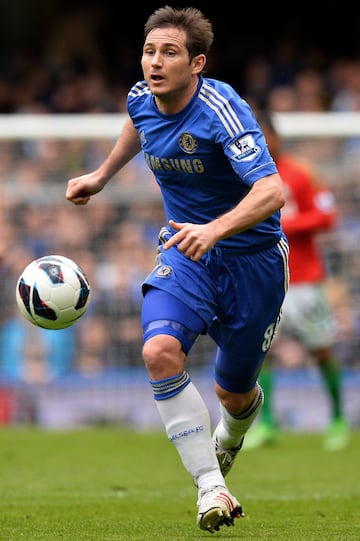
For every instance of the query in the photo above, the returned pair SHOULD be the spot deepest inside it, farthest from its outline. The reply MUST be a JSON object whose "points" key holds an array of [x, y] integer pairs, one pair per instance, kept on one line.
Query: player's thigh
{"points": [[165, 314], [249, 314], [190, 282]]}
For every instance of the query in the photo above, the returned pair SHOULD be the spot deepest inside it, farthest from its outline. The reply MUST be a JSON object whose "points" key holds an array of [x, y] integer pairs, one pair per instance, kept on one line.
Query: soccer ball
{"points": [[52, 292]]}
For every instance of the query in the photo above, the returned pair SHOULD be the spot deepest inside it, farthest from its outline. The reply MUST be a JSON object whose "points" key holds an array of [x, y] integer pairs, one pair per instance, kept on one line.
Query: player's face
{"points": [[167, 69]]}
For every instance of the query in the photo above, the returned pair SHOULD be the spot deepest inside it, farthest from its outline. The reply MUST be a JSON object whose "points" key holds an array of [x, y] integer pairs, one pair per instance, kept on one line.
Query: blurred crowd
{"points": [[81, 58], [114, 238], [75, 85]]}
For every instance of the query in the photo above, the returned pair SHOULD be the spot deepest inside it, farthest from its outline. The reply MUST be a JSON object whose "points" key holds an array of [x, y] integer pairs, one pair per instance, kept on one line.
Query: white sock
{"points": [[187, 423], [231, 427]]}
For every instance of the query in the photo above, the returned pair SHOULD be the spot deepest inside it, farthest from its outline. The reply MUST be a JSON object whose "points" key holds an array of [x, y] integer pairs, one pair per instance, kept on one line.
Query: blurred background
{"points": [[75, 56], [62, 59]]}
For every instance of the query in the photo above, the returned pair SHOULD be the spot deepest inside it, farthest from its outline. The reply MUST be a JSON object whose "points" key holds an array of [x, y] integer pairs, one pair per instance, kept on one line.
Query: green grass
{"points": [[108, 484]]}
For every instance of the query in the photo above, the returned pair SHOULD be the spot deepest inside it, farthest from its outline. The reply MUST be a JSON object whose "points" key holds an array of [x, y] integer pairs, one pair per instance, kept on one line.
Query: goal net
{"points": [[73, 376]]}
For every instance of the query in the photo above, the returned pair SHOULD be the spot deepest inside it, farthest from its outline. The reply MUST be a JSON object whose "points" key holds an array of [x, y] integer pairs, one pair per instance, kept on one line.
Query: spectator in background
{"points": [[282, 99], [345, 77], [29, 354], [307, 317], [311, 91]]}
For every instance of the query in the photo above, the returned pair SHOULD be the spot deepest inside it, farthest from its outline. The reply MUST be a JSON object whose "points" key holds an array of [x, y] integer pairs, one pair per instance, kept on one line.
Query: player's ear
{"points": [[198, 63]]}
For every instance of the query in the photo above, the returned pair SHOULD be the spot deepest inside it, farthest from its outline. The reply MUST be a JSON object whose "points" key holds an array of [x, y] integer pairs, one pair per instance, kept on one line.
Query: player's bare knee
{"points": [[163, 356]]}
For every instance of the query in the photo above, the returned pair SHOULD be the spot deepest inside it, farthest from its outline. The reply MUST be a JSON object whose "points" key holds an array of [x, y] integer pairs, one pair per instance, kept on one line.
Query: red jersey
{"points": [[309, 209]]}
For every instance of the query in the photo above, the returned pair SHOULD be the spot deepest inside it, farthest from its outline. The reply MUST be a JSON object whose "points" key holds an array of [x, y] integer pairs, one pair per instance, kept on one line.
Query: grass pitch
{"points": [[112, 484]]}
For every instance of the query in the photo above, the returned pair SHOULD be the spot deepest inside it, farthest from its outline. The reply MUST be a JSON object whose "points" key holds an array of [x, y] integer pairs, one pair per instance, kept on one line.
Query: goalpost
{"points": [[90, 126], [114, 240]]}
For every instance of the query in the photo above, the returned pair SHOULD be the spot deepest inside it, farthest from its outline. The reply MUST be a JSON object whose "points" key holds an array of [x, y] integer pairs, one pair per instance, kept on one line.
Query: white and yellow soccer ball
{"points": [[53, 292]]}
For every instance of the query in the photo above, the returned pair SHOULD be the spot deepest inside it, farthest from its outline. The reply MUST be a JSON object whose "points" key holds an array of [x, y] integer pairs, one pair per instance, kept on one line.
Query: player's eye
{"points": [[149, 52]]}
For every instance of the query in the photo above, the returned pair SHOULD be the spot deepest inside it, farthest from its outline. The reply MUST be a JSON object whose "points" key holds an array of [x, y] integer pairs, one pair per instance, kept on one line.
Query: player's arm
{"points": [[80, 189], [265, 197]]}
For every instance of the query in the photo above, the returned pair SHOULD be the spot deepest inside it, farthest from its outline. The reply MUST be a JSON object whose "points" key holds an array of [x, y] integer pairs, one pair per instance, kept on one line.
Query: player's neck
{"points": [[174, 102]]}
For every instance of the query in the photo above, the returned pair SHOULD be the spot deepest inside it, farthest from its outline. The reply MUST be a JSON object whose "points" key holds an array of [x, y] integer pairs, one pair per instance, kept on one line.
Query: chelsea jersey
{"points": [[206, 157]]}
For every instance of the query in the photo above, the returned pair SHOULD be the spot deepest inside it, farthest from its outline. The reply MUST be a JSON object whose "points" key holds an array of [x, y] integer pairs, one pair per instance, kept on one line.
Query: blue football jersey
{"points": [[206, 157]]}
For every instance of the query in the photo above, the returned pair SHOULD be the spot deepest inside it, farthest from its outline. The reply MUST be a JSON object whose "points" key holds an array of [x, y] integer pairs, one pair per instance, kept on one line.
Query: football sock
{"points": [[330, 374], [266, 381], [187, 424], [232, 427]]}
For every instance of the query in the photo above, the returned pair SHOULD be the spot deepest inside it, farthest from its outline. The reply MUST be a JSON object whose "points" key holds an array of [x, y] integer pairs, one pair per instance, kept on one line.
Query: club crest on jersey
{"points": [[187, 143], [164, 271], [244, 149]]}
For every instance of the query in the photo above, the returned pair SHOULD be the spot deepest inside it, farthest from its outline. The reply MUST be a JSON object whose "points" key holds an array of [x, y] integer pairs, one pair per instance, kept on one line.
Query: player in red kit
{"points": [[307, 317]]}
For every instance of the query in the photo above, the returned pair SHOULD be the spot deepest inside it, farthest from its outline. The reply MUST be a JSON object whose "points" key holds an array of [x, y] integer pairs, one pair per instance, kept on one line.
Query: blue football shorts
{"points": [[233, 297]]}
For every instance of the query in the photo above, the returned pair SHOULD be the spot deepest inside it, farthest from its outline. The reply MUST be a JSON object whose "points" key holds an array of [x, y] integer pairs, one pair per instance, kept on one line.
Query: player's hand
{"points": [[193, 240], [80, 189]]}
